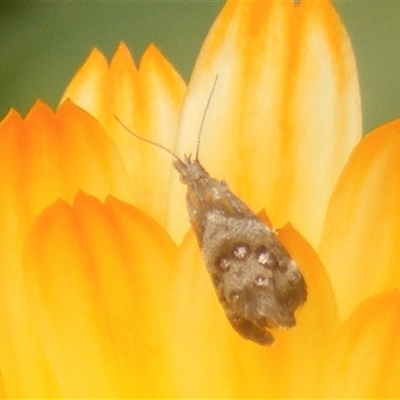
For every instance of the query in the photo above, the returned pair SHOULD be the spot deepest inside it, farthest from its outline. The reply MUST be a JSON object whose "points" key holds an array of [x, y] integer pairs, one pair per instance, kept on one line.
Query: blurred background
{"points": [[42, 45]]}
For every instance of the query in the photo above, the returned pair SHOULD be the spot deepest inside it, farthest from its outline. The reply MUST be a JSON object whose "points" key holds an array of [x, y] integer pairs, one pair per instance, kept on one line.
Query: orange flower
{"points": [[104, 293]]}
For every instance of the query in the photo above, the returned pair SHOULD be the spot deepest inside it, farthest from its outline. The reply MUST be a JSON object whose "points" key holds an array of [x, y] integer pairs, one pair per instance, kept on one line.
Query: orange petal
{"points": [[98, 299], [44, 157], [285, 112], [148, 101], [366, 358], [360, 245], [47, 156], [210, 359], [89, 85]]}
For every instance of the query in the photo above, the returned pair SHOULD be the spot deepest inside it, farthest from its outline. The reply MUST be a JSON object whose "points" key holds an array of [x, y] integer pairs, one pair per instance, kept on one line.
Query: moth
{"points": [[256, 280]]}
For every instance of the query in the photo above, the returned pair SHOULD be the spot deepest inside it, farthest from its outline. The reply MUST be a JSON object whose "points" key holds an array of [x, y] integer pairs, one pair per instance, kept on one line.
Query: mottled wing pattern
{"points": [[256, 280]]}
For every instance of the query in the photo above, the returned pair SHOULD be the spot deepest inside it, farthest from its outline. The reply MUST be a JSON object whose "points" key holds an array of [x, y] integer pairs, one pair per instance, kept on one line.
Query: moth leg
{"points": [[251, 331]]}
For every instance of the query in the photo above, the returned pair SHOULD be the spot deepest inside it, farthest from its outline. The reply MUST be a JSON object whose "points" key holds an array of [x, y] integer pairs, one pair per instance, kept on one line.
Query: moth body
{"points": [[256, 280]]}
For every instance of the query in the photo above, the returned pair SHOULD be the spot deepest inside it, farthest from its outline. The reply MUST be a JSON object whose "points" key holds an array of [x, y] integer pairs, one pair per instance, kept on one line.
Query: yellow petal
{"points": [[43, 157], [360, 245], [148, 100], [98, 299], [366, 358], [50, 155], [2, 388], [229, 366], [89, 85], [285, 112]]}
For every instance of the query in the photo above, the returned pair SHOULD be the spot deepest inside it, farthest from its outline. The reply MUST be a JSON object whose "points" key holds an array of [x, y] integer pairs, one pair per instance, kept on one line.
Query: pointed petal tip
{"points": [[96, 54], [84, 86], [123, 47], [154, 60], [39, 110], [152, 51], [122, 59], [11, 117]]}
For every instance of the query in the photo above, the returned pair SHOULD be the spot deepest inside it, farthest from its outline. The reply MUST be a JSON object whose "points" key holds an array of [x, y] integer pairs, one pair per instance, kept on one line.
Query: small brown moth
{"points": [[256, 280]]}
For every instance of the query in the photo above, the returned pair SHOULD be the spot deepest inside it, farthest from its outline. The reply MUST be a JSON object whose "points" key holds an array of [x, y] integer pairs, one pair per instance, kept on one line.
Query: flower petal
{"points": [[89, 85], [43, 157], [3, 394], [360, 245], [366, 358], [50, 155], [148, 101], [97, 295], [218, 363], [285, 113]]}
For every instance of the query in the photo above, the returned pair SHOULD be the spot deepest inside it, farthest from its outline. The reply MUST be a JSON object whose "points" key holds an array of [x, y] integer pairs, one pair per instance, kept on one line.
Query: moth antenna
{"points": [[147, 140], [204, 117]]}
